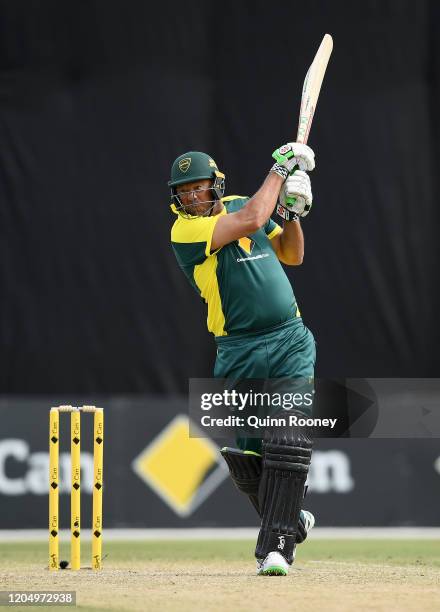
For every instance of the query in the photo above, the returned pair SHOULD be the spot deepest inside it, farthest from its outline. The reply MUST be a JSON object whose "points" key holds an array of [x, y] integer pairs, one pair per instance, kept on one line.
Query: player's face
{"points": [[197, 197]]}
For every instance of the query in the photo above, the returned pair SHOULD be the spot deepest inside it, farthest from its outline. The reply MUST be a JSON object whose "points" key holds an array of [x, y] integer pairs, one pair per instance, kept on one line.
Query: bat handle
{"points": [[294, 169], [292, 200]]}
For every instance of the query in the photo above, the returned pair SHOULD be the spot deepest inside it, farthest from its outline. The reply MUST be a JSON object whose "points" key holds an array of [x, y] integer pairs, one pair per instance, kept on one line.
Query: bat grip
{"points": [[294, 169], [292, 200]]}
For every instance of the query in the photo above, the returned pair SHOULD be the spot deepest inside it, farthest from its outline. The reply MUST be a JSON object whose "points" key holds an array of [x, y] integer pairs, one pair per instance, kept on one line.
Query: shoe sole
{"points": [[273, 570]]}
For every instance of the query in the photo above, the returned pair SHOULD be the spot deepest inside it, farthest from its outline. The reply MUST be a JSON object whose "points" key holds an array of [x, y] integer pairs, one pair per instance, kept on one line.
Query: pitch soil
{"points": [[189, 576]]}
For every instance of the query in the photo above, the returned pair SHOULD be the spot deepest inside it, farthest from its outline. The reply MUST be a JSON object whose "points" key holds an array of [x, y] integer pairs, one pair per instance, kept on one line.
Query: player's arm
{"points": [[259, 208], [251, 217], [289, 244]]}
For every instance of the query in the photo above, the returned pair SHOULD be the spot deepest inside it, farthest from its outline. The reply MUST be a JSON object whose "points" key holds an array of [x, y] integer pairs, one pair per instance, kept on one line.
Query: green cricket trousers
{"points": [[286, 350]]}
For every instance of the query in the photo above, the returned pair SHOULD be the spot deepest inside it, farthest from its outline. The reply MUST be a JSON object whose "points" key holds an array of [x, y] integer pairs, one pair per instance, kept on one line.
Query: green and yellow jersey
{"points": [[243, 282]]}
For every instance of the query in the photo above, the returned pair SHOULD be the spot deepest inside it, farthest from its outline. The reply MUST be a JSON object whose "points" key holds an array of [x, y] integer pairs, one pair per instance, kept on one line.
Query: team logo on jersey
{"points": [[184, 164], [246, 244]]}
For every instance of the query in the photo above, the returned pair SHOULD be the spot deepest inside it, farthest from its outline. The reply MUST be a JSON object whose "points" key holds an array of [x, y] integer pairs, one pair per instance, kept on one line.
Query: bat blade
{"points": [[312, 87]]}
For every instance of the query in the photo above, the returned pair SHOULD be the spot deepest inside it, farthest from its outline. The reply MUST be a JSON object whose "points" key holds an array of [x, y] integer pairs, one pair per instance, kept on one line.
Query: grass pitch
{"points": [[180, 576]]}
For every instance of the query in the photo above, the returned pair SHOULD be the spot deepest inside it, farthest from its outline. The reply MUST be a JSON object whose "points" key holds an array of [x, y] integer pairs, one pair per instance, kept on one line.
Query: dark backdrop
{"points": [[98, 98]]}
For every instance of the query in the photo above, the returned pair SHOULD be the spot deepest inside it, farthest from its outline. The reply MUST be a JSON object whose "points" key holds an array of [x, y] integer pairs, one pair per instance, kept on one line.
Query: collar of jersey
{"points": [[176, 212]]}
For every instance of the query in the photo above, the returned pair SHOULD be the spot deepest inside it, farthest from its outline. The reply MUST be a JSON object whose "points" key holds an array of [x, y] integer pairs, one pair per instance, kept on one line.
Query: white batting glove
{"points": [[291, 155], [296, 197]]}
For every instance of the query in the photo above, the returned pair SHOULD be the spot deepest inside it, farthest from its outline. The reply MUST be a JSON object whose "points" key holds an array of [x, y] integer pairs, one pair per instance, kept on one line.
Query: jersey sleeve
{"points": [[191, 239], [272, 229]]}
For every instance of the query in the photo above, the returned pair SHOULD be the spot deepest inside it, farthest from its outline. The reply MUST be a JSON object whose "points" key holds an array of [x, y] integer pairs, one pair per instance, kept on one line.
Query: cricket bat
{"points": [[309, 100], [312, 87]]}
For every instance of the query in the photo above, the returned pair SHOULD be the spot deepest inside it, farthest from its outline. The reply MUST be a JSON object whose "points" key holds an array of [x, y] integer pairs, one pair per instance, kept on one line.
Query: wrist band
{"points": [[280, 170], [287, 215]]}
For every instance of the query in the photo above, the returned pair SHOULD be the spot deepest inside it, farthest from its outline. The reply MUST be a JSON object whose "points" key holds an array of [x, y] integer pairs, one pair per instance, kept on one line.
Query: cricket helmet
{"points": [[194, 166]]}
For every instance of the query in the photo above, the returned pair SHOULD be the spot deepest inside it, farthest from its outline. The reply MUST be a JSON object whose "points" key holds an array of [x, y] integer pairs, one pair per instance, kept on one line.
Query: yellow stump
{"points": [[54, 438], [75, 500], [98, 448]]}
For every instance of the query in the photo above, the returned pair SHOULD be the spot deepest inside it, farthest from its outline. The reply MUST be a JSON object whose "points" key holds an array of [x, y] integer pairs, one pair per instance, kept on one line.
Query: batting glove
{"points": [[291, 155], [295, 199]]}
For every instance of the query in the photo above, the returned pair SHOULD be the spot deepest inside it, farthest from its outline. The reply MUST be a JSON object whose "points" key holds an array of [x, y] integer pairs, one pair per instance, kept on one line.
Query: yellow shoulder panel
{"points": [[195, 229]]}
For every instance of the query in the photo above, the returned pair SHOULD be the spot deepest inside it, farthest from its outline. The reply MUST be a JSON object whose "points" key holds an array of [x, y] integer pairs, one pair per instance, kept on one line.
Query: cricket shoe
{"points": [[273, 565], [308, 520], [263, 569]]}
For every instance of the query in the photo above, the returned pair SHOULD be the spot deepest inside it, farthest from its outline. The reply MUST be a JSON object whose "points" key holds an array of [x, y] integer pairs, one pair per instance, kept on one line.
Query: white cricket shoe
{"points": [[262, 564], [273, 565]]}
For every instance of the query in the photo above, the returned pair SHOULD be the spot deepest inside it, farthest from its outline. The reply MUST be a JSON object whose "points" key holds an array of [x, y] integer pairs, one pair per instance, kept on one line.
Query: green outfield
{"points": [[330, 575]]}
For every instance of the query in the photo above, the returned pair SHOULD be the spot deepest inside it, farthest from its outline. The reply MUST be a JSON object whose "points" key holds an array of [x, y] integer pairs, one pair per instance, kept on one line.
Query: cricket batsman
{"points": [[231, 252]]}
